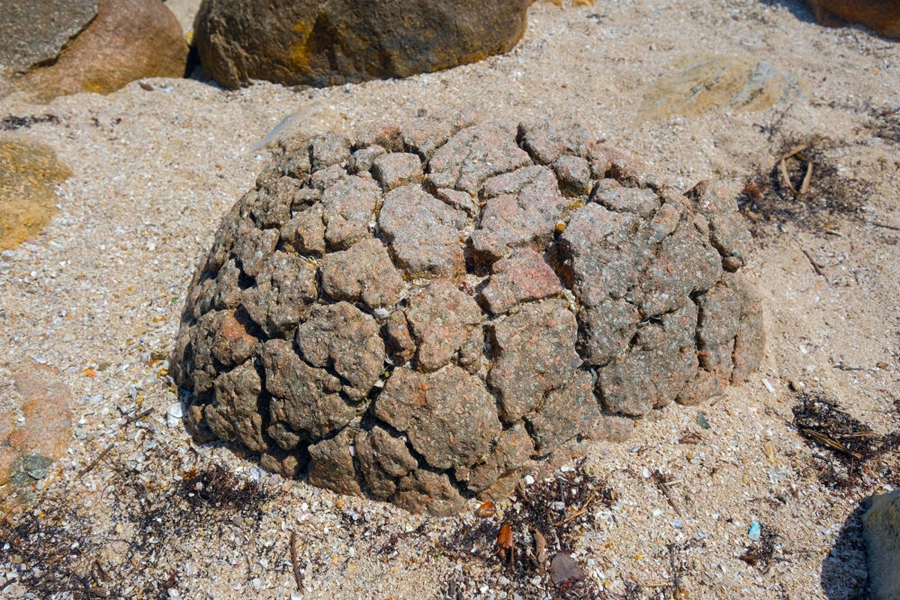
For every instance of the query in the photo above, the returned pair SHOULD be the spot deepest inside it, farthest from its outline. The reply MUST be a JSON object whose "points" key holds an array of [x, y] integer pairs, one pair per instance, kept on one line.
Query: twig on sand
{"points": [[830, 443], [665, 487], [816, 266], [884, 225], [782, 166], [295, 560], [95, 462], [137, 417], [578, 512]]}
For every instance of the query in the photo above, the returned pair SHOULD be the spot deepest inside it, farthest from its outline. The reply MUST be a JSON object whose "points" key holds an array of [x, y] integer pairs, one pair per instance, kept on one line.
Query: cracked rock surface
{"points": [[431, 311]]}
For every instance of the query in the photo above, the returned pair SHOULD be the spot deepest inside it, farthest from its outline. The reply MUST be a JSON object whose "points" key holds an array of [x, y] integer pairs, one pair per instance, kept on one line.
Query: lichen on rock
{"points": [[430, 311]]}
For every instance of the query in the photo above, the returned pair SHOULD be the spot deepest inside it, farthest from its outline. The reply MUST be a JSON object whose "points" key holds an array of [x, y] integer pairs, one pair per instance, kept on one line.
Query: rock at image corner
{"points": [[425, 313]]}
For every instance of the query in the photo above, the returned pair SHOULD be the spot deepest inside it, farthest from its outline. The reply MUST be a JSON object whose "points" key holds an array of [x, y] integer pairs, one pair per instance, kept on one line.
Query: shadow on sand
{"points": [[844, 573]]}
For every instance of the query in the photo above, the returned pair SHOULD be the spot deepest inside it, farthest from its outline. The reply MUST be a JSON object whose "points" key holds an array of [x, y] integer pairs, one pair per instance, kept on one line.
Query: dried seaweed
{"points": [[61, 547], [856, 454], [555, 511], [803, 187], [885, 123], [12, 122], [761, 553]]}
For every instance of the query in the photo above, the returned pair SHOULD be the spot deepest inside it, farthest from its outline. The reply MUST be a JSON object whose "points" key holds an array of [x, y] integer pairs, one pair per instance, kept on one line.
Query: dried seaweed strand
{"points": [[830, 443]]}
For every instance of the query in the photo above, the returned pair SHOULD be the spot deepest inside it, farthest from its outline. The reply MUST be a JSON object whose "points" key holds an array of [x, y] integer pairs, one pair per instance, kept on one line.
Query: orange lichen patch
{"points": [[29, 172]]}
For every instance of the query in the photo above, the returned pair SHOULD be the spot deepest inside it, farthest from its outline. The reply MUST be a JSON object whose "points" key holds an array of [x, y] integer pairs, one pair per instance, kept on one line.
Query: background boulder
{"points": [[85, 51], [882, 533], [330, 43], [881, 16]]}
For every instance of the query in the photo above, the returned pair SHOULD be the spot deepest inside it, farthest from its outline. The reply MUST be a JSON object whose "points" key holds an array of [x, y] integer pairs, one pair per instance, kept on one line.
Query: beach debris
{"points": [[506, 546], [702, 422], [486, 510], [755, 531], [761, 551], [856, 453]]}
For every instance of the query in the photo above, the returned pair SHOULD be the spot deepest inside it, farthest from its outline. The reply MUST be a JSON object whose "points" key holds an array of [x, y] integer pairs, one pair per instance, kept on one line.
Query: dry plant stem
{"points": [[295, 565], [884, 225], [804, 186], [816, 266], [295, 560], [95, 462], [137, 417], [578, 512], [663, 485], [827, 441]]}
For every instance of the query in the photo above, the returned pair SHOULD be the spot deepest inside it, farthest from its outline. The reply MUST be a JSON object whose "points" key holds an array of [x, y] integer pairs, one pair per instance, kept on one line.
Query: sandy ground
{"points": [[102, 288]]}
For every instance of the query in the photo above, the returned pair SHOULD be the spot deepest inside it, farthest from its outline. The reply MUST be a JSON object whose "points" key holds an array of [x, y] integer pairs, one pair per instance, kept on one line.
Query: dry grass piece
{"points": [[788, 193], [862, 457]]}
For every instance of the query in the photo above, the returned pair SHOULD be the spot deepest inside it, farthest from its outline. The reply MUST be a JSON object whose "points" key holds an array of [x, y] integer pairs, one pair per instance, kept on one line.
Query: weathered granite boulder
{"points": [[429, 312], [329, 43], [54, 47], [881, 16], [882, 534]]}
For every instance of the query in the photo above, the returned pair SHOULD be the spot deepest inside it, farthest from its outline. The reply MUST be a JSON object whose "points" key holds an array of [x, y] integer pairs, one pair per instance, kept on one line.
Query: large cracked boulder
{"points": [[430, 311], [311, 42]]}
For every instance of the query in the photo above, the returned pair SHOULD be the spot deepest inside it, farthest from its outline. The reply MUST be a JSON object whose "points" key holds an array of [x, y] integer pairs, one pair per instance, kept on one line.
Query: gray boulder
{"points": [[882, 533]]}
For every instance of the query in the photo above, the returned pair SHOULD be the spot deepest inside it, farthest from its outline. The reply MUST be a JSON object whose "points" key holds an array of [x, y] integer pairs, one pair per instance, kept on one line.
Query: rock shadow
{"points": [[798, 8], [844, 574]]}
